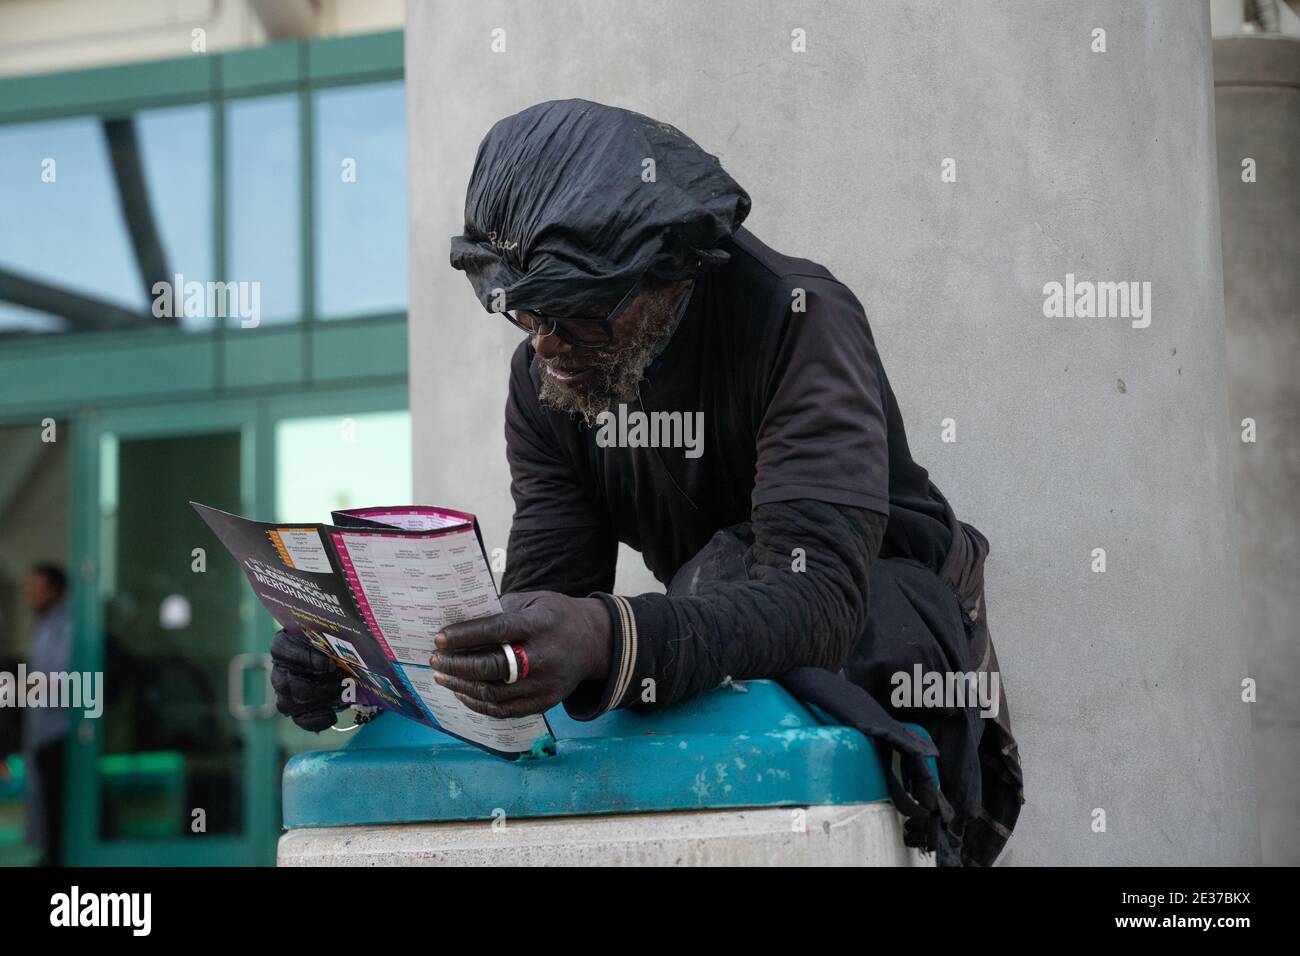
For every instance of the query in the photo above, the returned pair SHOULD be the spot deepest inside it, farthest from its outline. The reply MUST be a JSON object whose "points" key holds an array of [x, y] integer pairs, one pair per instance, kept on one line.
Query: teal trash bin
{"points": [[744, 774]]}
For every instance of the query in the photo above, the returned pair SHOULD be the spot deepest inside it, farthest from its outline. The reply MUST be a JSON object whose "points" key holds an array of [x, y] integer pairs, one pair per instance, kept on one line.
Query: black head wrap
{"points": [[562, 213]]}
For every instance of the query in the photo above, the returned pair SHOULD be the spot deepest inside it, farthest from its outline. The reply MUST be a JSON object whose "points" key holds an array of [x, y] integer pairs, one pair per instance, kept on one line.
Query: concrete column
{"points": [[1257, 110], [1073, 434]]}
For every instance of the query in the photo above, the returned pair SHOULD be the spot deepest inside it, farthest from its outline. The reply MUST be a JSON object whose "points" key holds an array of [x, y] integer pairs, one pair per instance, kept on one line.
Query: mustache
{"points": [[566, 367], [569, 365]]}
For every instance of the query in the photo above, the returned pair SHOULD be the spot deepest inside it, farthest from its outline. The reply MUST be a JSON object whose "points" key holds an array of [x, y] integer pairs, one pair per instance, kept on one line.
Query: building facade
{"points": [[203, 294]]}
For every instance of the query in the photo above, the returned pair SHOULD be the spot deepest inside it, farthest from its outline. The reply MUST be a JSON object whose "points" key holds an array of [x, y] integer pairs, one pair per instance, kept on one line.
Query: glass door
{"points": [[184, 765], [176, 768]]}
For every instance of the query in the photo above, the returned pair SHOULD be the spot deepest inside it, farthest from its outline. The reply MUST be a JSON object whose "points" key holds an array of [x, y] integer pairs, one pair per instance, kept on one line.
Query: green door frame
{"points": [[256, 421], [82, 816]]}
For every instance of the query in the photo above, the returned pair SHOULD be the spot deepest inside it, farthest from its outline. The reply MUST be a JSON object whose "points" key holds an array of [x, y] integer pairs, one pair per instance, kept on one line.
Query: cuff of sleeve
{"points": [[593, 698]]}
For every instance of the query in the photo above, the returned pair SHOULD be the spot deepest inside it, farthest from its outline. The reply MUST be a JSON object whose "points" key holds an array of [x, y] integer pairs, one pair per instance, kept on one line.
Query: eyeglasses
{"points": [[580, 331]]}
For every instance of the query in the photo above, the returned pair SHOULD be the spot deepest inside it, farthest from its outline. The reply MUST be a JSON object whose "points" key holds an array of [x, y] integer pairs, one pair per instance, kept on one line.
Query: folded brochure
{"points": [[371, 591]]}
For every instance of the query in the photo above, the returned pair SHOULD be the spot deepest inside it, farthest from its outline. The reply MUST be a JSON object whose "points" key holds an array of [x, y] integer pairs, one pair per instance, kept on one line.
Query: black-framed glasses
{"points": [[580, 331]]}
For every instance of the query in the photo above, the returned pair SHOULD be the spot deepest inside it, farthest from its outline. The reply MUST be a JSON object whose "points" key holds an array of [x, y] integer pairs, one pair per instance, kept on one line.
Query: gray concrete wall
{"points": [[1072, 434], [1257, 109]]}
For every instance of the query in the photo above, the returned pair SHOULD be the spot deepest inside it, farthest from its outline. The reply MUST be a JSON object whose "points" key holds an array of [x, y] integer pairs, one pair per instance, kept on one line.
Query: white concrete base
{"points": [[869, 834]]}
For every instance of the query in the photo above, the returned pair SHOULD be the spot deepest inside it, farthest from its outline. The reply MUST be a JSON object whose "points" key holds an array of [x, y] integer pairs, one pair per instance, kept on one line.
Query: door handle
{"points": [[239, 708]]}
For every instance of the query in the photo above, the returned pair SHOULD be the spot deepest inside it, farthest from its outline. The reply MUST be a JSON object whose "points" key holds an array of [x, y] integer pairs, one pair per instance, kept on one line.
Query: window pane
{"points": [[369, 460], [107, 207], [263, 226], [177, 150], [360, 167]]}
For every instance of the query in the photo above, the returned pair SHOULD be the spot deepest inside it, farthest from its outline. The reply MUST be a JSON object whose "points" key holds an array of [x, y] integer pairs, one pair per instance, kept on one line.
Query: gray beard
{"points": [[617, 372]]}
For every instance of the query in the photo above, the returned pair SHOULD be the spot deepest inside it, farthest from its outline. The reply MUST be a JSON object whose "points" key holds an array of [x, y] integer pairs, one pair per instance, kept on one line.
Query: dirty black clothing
{"points": [[803, 442], [780, 616], [778, 357]]}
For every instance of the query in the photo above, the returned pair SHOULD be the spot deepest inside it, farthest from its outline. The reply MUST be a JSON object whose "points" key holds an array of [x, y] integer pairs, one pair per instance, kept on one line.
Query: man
{"points": [[796, 535], [45, 729]]}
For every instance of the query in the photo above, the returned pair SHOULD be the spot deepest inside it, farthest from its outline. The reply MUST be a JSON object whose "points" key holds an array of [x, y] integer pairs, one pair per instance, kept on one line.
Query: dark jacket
{"points": [[852, 559]]}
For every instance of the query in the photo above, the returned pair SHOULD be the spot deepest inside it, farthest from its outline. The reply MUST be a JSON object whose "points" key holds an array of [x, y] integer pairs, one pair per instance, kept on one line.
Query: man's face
{"points": [[40, 592], [587, 381]]}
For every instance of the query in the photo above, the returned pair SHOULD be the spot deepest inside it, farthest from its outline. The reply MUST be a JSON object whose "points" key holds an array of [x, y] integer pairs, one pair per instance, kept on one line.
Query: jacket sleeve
{"points": [[571, 562], [804, 603]]}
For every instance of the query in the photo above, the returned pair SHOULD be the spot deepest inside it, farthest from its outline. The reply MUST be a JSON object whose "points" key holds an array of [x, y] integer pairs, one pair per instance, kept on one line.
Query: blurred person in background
{"points": [[46, 728]]}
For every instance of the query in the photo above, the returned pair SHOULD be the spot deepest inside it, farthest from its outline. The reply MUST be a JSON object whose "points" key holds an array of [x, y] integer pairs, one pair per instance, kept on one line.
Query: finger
{"points": [[296, 708], [517, 600], [482, 632], [295, 678], [489, 665], [316, 720], [300, 689], [488, 693], [291, 653], [524, 707]]}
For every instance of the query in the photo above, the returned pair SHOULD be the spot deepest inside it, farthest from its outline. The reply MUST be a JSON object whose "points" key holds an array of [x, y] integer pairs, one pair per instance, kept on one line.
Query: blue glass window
{"points": [[360, 209], [99, 210], [263, 237]]}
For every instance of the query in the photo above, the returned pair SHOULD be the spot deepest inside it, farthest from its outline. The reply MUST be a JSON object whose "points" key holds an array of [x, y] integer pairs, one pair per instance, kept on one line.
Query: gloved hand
{"points": [[308, 684]]}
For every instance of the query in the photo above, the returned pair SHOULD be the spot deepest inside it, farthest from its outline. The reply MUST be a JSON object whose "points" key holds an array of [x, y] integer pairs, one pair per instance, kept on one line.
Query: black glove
{"points": [[308, 684]]}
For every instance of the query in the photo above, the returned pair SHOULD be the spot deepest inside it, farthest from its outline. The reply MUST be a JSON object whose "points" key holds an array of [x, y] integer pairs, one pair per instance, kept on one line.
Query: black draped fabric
{"points": [[571, 201], [914, 617]]}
